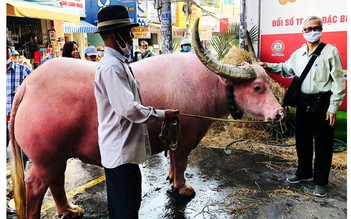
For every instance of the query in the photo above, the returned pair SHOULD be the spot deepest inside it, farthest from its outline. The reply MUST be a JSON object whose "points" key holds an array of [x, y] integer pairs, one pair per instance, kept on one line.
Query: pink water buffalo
{"points": [[54, 116]]}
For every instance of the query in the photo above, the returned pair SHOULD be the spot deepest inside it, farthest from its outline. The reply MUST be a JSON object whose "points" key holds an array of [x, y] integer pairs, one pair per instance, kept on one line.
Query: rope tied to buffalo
{"points": [[222, 119], [170, 134]]}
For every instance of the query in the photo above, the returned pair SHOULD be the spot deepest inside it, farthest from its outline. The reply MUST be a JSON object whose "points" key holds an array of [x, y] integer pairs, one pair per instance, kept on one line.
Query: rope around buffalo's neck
{"points": [[170, 134]]}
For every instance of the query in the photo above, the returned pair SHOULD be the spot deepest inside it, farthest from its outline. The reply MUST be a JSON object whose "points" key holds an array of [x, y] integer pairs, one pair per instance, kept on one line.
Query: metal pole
{"points": [[242, 27], [166, 27], [259, 29], [188, 13]]}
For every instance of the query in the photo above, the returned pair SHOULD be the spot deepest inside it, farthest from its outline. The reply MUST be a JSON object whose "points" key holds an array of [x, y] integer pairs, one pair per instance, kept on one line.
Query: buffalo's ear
{"points": [[244, 64]]}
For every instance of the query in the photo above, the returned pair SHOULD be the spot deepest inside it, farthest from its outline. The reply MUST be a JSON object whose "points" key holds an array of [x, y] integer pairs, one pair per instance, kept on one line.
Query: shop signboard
{"points": [[142, 13], [281, 28], [39, 9], [141, 32], [76, 6], [93, 7]]}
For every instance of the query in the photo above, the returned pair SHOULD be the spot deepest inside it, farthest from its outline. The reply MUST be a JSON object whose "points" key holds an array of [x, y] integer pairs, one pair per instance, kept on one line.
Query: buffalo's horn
{"points": [[224, 70]]}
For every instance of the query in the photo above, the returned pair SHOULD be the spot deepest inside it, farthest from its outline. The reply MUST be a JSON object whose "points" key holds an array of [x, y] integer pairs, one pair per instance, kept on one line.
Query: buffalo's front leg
{"points": [[178, 163]]}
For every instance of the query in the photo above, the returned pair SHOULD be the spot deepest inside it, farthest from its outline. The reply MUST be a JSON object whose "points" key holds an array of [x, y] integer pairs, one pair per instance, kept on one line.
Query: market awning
{"points": [[31, 9], [83, 27]]}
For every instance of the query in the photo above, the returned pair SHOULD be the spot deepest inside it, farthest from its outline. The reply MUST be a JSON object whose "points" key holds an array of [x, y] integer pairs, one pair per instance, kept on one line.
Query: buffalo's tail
{"points": [[17, 168]]}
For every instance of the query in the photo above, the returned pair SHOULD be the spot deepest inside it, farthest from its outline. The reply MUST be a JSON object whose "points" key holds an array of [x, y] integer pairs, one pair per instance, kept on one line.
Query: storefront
{"points": [[32, 27], [26, 35]]}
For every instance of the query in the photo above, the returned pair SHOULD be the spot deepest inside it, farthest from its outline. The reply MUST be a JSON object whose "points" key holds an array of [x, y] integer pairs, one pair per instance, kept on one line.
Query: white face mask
{"points": [[312, 36], [126, 49], [8, 61], [100, 53]]}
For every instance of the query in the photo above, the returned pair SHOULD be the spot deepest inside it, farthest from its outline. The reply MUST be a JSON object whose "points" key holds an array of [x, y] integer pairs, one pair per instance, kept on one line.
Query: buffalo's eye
{"points": [[257, 88]]}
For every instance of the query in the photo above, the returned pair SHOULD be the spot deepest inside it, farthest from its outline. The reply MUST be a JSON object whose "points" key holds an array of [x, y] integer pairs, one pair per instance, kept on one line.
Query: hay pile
{"points": [[236, 56]]}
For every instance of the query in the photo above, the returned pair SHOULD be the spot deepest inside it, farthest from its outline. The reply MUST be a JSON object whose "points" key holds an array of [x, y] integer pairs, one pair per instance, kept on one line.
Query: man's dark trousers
{"points": [[123, 185], [309, 125]]}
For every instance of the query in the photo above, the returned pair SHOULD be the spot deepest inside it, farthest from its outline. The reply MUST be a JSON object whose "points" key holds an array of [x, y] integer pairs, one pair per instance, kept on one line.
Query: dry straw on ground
{"points": [[243, 199]]}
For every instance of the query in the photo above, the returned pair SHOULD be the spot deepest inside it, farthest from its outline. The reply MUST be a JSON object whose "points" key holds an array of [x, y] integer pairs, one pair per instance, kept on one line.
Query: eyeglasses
{"points": [[309, 29]]}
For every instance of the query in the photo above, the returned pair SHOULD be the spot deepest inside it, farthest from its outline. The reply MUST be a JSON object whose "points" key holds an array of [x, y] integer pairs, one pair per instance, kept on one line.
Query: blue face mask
{"points": [[186, 48]]}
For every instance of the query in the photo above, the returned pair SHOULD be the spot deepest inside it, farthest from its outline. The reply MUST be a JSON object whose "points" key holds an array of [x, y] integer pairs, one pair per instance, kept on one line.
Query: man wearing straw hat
{"points": [[122, 130]]}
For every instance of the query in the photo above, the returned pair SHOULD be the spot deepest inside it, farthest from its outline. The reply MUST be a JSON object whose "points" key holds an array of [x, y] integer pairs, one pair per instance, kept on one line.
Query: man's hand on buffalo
{"points": [[171, 115], [263, 64]]}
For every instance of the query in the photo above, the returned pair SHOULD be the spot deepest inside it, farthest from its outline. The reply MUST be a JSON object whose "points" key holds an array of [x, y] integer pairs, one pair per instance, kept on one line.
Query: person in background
{"points": [[71, 50], [323, 91], [122, 130], [100, 51], [48, 55], [15, 74], [145, 52], [185, 46], [137, 55], [91, 53], [14, 55], [24, 61]]}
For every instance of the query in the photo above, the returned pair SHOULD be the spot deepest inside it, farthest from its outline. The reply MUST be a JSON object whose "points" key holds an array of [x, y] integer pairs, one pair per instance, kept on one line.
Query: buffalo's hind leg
{"points": [[64, 208], [36, 184]]}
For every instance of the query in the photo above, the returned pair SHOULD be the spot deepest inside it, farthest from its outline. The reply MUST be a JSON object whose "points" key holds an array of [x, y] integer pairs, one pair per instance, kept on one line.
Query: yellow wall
{"points": [[181, 18]]}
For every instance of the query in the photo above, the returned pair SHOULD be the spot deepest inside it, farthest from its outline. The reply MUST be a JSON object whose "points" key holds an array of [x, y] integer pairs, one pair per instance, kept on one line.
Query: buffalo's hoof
{"points": [[186, 191], [74, 212]]}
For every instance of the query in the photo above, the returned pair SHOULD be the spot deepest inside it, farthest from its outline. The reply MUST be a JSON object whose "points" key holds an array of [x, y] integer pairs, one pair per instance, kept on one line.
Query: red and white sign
{"points": [[75, 6]]}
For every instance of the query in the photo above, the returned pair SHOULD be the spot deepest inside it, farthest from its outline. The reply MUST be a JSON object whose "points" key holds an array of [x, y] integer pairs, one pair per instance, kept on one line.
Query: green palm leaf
{"points": [[226, 39]]}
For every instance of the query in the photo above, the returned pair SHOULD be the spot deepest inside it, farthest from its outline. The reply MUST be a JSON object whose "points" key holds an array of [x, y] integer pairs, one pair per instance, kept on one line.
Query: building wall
{"points": [[253, 19]]}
